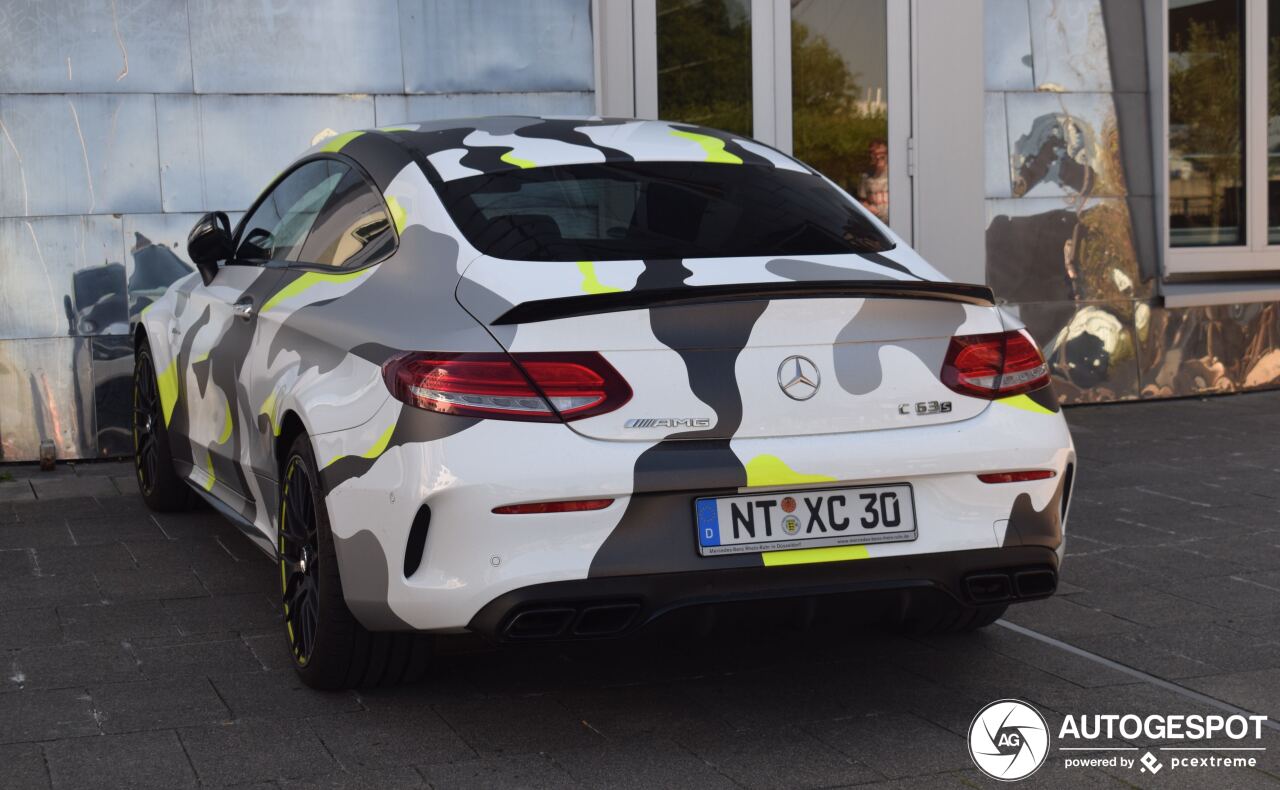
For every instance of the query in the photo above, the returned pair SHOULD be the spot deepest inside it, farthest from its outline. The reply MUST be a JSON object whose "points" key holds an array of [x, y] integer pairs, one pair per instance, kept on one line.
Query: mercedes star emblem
{"points": [[798, 377]]}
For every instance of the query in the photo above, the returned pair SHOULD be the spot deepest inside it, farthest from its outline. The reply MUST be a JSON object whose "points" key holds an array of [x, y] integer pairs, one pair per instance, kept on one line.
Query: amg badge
{"points": [[671, 422]]}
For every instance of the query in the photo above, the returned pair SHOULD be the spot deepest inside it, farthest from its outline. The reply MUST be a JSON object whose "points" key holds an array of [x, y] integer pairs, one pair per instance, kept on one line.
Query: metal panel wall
{"points": [[121, 122], [1071, 220]]}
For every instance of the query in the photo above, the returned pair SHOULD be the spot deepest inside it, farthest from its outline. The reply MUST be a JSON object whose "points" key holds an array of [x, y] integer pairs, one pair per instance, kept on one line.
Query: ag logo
{"points": [[1008, 740]]}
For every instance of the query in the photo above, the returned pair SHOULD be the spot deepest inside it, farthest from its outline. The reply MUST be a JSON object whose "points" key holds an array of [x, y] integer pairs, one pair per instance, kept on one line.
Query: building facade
{"points": [[1104, 164]]}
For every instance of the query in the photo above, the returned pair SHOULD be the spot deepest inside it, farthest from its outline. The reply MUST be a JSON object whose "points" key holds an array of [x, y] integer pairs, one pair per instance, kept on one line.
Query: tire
{"points": [[161, 488], [952, 619], [330, 648]]}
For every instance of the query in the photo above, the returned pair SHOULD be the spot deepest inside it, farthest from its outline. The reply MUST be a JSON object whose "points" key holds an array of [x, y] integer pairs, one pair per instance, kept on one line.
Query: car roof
{"points": [[458, 148]]}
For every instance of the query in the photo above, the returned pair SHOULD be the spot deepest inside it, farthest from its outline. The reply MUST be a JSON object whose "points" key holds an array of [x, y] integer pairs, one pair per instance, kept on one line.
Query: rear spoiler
{"points": [[591, 304]]}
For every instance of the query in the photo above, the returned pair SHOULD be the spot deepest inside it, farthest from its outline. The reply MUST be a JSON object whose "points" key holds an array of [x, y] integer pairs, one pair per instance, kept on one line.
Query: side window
{"points": [[353, 227], [279, 225]]}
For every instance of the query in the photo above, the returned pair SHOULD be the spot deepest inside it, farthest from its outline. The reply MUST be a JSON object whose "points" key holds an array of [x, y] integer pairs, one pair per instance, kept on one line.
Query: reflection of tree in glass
{"points": [[1205, 109], [704, 63], [830, 129]]}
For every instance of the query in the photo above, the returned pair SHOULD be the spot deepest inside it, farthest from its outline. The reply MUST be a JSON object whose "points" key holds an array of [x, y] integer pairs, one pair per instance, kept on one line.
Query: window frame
{"points": [[1256, 254], [355, 167], [626, 59]]}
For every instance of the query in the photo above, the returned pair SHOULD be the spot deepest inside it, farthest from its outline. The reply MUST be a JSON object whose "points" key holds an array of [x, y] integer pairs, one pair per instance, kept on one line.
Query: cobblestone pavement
{"points": [[143, 650]]}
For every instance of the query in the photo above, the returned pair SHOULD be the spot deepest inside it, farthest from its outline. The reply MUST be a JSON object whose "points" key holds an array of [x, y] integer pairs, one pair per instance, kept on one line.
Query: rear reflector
{"points": [[535, 387], [994, 365], [572, 506], [1017, 477]]}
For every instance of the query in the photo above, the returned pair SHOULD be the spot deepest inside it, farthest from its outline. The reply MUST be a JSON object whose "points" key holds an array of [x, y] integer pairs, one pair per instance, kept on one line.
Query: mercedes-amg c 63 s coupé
{"points": [[550, 378]]}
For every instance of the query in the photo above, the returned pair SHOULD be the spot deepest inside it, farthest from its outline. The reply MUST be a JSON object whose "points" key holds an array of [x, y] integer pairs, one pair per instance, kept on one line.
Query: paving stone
{"points": [[389, 779], [162, 703], [640, 763], [73, 508], [1232, 595], [29, 592], [1182, 562], [877, 741], [84, 560], [279, 695], [254, 751], [1147, 607], [1064, 619], [623, 711], [517, 725], [16, 491], [115, 621], [245, 613], [35, 535], [29, 628], [135, 585], [135, 760], [23, 767], [74, 663], [20, 561], [1051, 659], [258, 576], [125, 484], [115, 528], [45, 715], [787, 758], [194, 553], [102, 468], [68, 487], [1132, 650], [1257, 690], [526, 771], [27, 470], [203, 655], [271, 650], [366, 740]]}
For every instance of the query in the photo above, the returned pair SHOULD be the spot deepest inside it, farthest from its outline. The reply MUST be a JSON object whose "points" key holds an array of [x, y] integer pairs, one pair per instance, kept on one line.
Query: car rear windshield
{"points": [[637, 210]]}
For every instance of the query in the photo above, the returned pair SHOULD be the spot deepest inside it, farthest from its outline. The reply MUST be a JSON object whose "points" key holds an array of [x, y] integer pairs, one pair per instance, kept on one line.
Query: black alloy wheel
{"points": [[161, 487], [146, 414], [331, 649], [300, 562]]}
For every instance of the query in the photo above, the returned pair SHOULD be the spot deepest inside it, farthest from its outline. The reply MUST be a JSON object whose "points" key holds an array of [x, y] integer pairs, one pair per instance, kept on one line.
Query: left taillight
{"points": [[994, 365], [538, 387]]}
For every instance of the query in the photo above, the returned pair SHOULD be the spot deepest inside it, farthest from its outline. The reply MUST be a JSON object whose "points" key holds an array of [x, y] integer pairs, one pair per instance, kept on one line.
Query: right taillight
{"points": [[537, 387], [994, 365]]}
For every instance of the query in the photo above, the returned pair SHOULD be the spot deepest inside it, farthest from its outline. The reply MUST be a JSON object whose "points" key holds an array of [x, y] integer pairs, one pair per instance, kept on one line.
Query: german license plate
{"points": [[805, 519]]}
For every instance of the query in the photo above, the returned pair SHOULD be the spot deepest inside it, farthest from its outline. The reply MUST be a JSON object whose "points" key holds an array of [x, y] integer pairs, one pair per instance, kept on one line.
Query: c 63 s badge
{"points": [[670, 422], [925, 407]]}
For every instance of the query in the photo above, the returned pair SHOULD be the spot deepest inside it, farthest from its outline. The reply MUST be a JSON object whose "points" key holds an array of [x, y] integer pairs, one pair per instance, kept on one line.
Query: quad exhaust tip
{"points": [[1011, 585], [571, 621]]}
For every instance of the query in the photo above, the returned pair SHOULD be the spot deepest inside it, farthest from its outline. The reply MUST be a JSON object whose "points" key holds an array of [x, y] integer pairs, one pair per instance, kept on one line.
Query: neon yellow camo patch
{"points": [[510, 158], [591, 281], [167, 383], [1024, 403], [805, 556], [376, 449], [713, 147], [310, 280]]}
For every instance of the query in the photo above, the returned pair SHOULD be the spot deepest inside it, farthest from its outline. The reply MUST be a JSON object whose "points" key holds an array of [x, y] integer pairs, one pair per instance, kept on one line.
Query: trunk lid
{"points": [[744, 347]]}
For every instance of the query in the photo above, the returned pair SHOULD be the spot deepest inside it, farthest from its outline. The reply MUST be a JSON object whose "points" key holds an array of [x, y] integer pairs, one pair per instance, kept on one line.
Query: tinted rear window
{"points": [[635, 210]]}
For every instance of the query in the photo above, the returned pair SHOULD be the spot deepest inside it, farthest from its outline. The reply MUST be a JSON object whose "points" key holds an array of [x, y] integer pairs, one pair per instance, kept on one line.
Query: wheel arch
{"points": [[291, 427]]}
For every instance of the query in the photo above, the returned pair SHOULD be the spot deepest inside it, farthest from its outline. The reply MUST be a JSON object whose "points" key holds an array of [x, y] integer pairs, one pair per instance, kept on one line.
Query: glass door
{"points": [[826, 80]]}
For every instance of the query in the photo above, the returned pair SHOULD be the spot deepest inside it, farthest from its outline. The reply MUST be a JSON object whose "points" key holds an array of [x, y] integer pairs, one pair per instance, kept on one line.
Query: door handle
{"points": [[243, 309]]}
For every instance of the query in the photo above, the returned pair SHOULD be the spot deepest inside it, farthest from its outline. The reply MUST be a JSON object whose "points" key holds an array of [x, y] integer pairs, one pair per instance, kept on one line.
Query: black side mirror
{"points": [[209, 242]]}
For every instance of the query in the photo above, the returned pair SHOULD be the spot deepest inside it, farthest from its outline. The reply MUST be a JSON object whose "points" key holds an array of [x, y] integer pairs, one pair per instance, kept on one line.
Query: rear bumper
{"points": [[420, 547], [867, 590]]}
